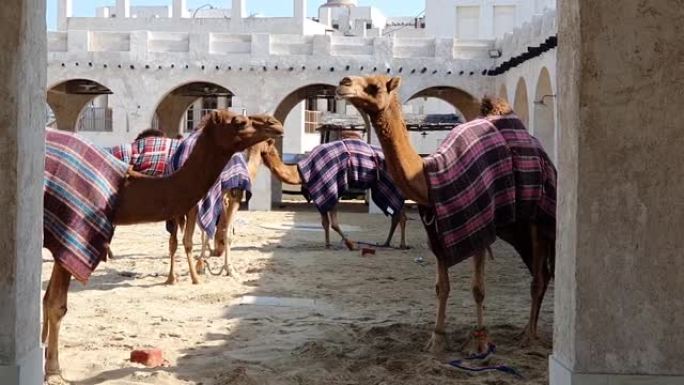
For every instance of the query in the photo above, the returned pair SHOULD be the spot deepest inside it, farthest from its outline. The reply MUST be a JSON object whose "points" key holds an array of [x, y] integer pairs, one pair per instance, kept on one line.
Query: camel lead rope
{"points": [[204, 257]]}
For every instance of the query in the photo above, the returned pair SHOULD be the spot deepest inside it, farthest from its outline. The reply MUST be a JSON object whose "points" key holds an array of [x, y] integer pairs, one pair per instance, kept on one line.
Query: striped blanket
{"points": [[235, 175], [80, 192], [333, 168], [487, 173], [148, 155]]}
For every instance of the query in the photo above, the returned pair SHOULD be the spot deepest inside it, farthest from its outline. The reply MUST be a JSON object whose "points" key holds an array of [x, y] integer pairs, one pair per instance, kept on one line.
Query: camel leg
{"points": [[173, 246], [437, 343], [325, 222], [187, 242], [398, 219], [54, 309], [221, 229], [336, 226], [478, 288], [231, 212], [540, 282]]}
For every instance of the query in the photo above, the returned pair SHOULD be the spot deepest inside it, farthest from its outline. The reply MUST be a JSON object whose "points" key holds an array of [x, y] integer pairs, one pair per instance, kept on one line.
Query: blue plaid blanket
{"points": [[487, 173], [81, 187], [235, 175], [333, 168]]}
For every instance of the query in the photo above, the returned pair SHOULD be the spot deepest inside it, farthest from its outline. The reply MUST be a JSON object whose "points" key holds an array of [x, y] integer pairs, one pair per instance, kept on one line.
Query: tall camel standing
{"points": [[222, 202], [475, 187], [329, 169], [108, 193]]}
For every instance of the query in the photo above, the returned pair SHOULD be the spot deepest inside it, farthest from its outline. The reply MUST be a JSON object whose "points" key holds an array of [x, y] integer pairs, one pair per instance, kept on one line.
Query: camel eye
{"points": [[372, 89]]}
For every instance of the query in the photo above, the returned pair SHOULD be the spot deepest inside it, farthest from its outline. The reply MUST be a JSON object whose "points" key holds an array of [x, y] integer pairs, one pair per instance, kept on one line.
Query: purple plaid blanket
{"points": [[487, 173], [235, 175], [333, 168], [79, 196], [148, 155]]}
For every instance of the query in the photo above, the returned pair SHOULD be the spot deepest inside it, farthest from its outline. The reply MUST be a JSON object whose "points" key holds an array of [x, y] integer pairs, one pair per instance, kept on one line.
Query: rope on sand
{"points": [[459, 364]]}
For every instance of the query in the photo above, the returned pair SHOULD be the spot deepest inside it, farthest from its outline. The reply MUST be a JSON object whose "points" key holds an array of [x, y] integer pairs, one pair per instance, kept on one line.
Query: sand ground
{"points": [[297, 314]]}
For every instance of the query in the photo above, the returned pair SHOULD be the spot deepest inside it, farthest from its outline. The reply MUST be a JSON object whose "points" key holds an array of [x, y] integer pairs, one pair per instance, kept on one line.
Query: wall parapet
{"points": [[531, 34], [261, 44]]}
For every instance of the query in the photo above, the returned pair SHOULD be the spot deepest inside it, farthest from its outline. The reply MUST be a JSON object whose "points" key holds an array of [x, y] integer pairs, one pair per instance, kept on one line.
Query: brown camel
{"points": [[377, 96], [290, 174], [143, 199], [224, 231]]}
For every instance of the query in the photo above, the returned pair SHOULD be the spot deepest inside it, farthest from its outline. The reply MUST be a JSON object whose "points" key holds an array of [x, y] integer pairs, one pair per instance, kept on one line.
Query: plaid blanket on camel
{"points": [[333, 168], [80, 192], [235, 175], [487, 173], [147, 155]]}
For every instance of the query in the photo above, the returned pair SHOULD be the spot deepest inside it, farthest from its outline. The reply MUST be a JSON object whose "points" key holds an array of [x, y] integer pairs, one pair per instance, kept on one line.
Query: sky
{"points": [[264, 7]]}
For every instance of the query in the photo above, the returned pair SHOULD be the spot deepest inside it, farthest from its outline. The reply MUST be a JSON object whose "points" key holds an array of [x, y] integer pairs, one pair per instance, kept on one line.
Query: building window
{"points": [[97, 119], [369, 25], [336, 26]]}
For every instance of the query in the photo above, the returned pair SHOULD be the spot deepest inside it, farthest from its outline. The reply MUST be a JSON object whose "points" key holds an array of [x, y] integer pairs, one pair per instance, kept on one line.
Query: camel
{"points": [[532, 238], [120, 196], [292, 174], [234, 182]]}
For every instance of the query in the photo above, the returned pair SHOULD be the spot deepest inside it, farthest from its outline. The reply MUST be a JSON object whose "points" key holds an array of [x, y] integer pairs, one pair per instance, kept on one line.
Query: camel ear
{"points": [[393, 83], [239, 122], [270, 142]]}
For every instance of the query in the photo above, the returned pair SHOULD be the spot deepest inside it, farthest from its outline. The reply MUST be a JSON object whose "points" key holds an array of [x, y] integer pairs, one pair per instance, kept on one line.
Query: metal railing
{"points": [[97, 119], [311, 121]]}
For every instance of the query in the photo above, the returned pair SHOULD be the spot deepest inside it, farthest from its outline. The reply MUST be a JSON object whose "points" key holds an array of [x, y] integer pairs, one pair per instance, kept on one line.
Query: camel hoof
{"points": [[437, 344], [55, 379], [328, 246], [528, 340], [171, 280], [350, 245], [476, 343], [201, 266]]}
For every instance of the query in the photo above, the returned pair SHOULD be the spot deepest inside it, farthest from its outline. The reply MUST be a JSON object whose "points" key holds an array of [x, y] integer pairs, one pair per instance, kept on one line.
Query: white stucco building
{"points": [[132, 67]]}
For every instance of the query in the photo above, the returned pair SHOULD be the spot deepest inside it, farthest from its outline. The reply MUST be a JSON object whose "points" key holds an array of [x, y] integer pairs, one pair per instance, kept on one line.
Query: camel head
{"points": [[494, 106], [370, 94], [233, 132]]}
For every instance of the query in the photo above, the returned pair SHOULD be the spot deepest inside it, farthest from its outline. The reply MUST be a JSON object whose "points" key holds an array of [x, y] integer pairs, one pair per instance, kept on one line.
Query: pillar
{"points": [[180, 9], [237, 12], [300, 11], [64, 12], [619, 307], [171, 112], [123, 8], [67, 108], [22, 124]]}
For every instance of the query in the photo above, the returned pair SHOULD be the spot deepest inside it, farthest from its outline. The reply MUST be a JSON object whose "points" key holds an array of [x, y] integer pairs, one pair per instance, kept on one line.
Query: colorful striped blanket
{"points": [[333, 168], [80, 192], [235, 175], [487, 173], [148, 155]]}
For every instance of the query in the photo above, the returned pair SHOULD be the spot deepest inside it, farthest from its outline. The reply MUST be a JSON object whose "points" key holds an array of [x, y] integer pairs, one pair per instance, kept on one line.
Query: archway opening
{"points": [[79, 105], [503, 92], [183, 107], [521, 104], [544, 113], [465, 105]]}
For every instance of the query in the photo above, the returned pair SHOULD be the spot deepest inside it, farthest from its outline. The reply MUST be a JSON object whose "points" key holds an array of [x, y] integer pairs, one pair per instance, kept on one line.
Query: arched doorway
{"points": [[181, 109], [503, 92], [544, 113], [464, 104], [520, 104], [79, 105]]}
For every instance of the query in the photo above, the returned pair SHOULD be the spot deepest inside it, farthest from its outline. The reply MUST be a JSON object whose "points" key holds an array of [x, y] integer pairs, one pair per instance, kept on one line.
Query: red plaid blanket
{"points": [[80, 192], [487, 173], [148, 155]]}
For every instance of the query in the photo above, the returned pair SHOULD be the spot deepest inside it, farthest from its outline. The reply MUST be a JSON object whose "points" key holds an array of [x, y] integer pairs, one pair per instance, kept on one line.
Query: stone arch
{"points": [[68, 99], [521, 104], [172, 107], [503, 92], [545, 112], [466, 105]]}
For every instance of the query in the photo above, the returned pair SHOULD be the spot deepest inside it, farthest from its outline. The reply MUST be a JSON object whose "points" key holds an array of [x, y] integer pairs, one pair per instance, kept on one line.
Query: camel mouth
{"points": [[344, 94], [275, 132]]}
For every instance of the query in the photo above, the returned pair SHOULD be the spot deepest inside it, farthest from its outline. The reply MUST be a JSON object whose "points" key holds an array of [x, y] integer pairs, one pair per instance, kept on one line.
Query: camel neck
{"points": [[253, 162], [403, 163], [150, 199], [285, 173]]}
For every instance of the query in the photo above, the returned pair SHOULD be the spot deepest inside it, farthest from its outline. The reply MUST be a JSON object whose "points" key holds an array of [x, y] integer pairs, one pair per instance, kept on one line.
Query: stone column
{"points": [[23, 75], [300, 10], [237, 12], [123, 8], [180, 9], [64, 11], [619, 308]]}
